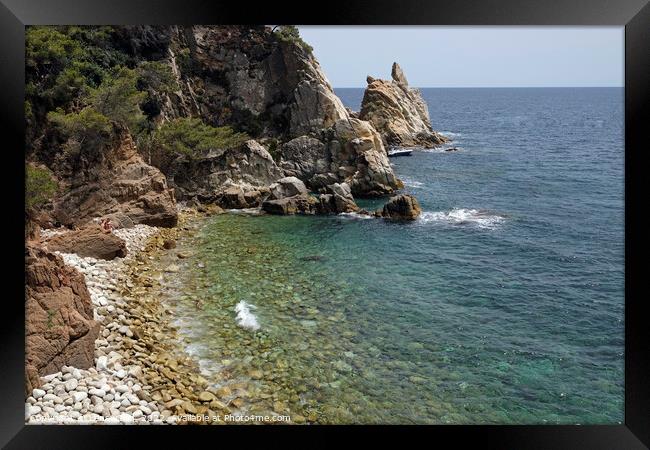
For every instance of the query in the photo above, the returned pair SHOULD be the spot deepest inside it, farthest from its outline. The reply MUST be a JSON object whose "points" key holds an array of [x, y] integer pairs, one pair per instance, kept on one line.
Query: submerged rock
{"points": [[401, 207], [398, 112]]}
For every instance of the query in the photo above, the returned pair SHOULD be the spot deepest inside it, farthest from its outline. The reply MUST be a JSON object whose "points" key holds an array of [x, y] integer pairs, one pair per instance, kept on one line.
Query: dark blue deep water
{"points": [[503, 303]]}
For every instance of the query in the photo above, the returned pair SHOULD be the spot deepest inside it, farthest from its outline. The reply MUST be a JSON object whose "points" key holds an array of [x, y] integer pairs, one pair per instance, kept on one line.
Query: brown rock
{"points": [[91, 241], [401, 207], [169, 244], [59, 325], [116, 182]]}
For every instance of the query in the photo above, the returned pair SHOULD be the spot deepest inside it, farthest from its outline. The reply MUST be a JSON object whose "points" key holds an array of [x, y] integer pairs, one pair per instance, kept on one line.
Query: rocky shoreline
{"points": [[141, 374], [235, 117]]}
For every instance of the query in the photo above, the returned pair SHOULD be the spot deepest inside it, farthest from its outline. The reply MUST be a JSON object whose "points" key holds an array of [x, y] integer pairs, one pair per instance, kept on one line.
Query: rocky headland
{"points": [[218, 117], [398, 112]]}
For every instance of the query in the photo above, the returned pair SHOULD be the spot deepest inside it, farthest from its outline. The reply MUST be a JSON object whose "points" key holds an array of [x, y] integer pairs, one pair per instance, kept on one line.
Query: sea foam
{"points": [[409, 182], [461, 216], [353, 215], [245, 318]]}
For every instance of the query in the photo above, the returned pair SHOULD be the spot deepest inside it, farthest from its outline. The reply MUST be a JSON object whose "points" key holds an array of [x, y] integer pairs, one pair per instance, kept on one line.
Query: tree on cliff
{"points": [[40, 187]]}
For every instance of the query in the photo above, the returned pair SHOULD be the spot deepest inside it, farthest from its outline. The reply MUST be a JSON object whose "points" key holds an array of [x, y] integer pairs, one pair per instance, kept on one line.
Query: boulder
{"points": [[91, 241], [338, 200], [228, 177], [320, 181], [298, 204], [304, 157], [287, 187], [398, 112], [401, 207], [116, 181], [59, 325]]}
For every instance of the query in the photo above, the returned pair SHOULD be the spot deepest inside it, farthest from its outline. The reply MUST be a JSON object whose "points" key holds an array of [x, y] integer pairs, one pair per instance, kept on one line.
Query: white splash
{"points": [[353, 215], [460, 216], [449, 134], [246, 211], [412, 183], [245, 318]]}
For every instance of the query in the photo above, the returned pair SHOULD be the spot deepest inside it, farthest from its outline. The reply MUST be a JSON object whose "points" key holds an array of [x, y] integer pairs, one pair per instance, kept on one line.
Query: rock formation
{"points": [[90, 241], [297, 204], [287, 187], [338, 199], [116, 183], [59, 325], [398, 112], [234, 178], [252, 80], [401, 207]]}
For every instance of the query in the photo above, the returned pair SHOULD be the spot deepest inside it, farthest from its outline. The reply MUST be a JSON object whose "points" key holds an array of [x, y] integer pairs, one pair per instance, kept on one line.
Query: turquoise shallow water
{"points": [[503, 303]]}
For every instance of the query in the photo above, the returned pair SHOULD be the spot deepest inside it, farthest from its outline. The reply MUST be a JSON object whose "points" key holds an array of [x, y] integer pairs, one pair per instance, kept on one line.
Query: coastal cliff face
{"points": [[263, 84], [59, 325], [272, 89], [398, 112], [115, 183]]}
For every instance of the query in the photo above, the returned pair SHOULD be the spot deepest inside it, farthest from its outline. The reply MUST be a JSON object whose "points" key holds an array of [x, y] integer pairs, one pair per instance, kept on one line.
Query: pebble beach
{"points": [[141, 374]]}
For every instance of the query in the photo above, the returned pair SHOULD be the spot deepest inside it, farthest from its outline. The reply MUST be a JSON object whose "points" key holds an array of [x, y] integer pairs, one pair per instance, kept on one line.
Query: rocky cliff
{"points": [[259, 83], [398, 112], [59, 325], [115, 183], [262, 83]]}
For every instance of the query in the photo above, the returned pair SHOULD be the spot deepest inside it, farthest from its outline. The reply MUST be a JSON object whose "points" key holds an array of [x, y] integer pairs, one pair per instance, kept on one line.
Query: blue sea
{"points": [[502, 304]]}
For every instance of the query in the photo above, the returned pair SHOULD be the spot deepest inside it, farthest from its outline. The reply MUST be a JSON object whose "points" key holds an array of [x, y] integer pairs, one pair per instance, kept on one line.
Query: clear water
{"points": [[503, 303]]}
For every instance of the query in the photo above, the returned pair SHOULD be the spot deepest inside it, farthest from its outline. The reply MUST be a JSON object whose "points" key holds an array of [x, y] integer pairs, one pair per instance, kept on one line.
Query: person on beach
{"points": [[107, 226]]}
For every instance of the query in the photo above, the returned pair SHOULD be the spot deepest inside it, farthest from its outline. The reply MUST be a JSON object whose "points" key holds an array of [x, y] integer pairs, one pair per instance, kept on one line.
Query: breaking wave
{"points": [[460, 216], [245, 318], [450, 134], [353, 215], [409, 182]]}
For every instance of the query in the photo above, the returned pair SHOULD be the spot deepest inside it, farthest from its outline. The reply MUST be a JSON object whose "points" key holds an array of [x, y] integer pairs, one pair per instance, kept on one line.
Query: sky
{"points": [[485, 56]]}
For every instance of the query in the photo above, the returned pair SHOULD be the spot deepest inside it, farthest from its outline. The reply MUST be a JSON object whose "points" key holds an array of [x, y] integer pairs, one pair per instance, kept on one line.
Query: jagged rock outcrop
{"points": [[359, 159], [116, 183], [59, 325], [296, 200], [90, 241], [305, 157], [249, 78], [398, 112], [234, 178], [401, 207]]}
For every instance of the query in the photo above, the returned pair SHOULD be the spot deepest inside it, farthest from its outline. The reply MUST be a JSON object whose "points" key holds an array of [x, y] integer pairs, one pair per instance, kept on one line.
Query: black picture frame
{"points": [[634, 15]]}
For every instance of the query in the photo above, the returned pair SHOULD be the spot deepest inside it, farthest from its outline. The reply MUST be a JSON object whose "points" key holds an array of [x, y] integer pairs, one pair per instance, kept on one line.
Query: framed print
{"points": [[399, 215]]}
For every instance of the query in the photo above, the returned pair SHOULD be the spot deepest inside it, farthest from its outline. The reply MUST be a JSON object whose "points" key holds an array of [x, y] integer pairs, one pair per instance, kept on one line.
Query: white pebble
{"points": [[38, 393], [79, 396]]}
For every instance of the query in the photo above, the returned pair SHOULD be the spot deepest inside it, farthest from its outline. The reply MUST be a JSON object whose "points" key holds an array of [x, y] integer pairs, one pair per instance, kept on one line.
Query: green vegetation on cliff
{"points": [[40, 186], [290, 33], [83, 80], [191, 137]]}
